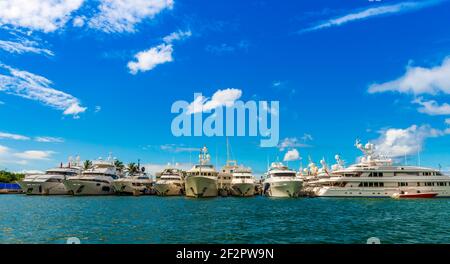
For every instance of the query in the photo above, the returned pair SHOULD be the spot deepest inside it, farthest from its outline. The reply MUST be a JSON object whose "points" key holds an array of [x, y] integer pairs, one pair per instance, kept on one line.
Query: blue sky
{"points": [[90, 77]]}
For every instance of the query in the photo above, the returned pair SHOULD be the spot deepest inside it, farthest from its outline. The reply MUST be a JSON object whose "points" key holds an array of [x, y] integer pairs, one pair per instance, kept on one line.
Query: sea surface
{"points": [[151, 219]]}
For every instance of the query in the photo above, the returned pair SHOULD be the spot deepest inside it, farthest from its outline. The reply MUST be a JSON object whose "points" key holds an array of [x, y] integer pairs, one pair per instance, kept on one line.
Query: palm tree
{"points": [[119, 165], [87, 164], [132, 168]]}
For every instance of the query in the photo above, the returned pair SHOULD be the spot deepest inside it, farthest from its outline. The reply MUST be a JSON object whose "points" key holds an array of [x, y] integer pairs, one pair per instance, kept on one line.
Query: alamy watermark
{"points": [[236, 118]]}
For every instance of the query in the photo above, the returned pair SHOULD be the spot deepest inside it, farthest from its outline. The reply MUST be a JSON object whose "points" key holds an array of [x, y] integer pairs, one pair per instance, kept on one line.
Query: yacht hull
{"points": [[43, 188], [201, 186], [168, 189], [127, 187], [288, 188], [243, 189], [81, 187], [377, 192]]}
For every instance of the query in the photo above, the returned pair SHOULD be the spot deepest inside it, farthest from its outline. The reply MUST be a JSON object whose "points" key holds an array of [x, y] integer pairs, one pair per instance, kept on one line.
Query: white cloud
{"points": [[147, 60], [372, 12], [49, 139], [447, 121], [13, 136], [40, 15], [226, 97], [292, 143], [118, 16], [178, 35], [177, 148], [24, 46], [419, 80], [98, 109], [307, 137], [397, 142], [79, 21], [3, 149], [31, 172], [432, 107], [34, 155], [37, 88], [292, 155]]}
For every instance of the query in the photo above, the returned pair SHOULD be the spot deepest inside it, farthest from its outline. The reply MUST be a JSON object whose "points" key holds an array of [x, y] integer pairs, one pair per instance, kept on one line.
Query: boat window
{"points": [[284, 174]]}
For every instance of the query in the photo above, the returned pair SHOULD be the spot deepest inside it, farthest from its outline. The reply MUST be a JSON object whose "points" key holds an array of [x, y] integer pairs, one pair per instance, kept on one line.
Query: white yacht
{"points": [[97, 180], [377, 176], [170, 182], [201, 180], [136, 183], [243, 182], [51, 183], [280, 181]]}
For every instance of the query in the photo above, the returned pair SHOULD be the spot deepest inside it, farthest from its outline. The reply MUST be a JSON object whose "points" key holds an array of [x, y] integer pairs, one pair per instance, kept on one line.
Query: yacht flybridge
{"points": [[201, 180], [377, 176]]}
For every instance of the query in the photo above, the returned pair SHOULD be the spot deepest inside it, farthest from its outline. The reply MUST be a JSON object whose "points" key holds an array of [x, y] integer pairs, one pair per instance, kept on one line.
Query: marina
{"points": [[374, 176]]}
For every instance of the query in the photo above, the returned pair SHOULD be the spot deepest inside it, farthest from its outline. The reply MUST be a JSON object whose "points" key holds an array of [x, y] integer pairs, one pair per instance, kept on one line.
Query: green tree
{"points": [[119, 165], [87, 164], [132, 168], [9, 177]]}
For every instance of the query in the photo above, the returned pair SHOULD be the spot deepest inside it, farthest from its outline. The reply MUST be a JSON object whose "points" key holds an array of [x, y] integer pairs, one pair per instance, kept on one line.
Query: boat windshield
{"points": [[243, 177], [284, 174]]}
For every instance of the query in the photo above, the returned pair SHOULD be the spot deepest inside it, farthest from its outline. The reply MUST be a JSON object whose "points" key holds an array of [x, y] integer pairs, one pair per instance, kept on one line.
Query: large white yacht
{"points": [[280, 181], [377, 176], [243, 182], [170, 182], [51, 183], [97, 180], [201, 180], [135, 183]]}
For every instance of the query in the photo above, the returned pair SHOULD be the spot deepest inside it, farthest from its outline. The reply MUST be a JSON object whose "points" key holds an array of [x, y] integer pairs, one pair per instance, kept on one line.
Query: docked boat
{"points": [[170, 182], [377, 176], [201, 180], [137, 182], [280, 181], [96, 180], [243, 182], [51, 182]]}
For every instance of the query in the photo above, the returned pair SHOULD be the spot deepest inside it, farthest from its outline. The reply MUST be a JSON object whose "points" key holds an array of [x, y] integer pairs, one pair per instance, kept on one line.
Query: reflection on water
{"points": [[149, 219]]}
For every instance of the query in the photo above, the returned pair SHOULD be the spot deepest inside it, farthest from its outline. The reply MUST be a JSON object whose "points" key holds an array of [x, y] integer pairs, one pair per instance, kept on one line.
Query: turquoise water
{"points": [[150, 219]]}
